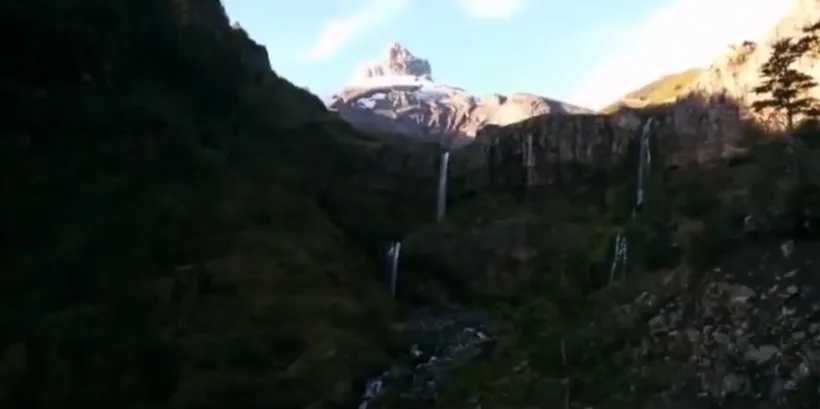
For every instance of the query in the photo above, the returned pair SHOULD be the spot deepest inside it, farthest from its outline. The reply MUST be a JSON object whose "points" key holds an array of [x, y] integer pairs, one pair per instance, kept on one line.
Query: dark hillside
{"points": [[182, 227]]}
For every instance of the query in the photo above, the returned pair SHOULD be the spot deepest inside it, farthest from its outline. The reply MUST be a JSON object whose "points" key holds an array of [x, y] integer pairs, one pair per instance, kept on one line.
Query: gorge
{"points": [[187, 229]]}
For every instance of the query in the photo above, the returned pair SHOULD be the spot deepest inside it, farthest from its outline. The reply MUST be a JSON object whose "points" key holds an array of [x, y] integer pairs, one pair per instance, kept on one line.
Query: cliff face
{"points": [[691, 130]]}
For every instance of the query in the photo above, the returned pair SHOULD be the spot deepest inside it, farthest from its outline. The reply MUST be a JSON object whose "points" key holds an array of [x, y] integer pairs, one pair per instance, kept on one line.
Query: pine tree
{"points": [[787, 89], [809, 42], [785, 86]]}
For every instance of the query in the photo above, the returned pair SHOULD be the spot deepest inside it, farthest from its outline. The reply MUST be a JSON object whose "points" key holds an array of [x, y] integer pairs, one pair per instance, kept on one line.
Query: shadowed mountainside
{"points": [[182, 227]]}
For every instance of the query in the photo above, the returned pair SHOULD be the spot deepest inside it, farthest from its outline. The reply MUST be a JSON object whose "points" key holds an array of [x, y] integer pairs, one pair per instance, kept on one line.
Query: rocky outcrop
{"points": [[748, 330], [398, 94], [737, 72], [254, 55], [400, 61]]}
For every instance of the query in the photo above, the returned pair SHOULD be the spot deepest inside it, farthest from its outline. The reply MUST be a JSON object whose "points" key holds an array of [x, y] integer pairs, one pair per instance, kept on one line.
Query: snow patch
{"points": [[400, 81], [421, 88], [368, 103]]}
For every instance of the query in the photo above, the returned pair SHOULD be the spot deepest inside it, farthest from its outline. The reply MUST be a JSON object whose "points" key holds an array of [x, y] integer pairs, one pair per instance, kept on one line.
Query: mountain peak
{"points": [[395, 46], [397, 61]]}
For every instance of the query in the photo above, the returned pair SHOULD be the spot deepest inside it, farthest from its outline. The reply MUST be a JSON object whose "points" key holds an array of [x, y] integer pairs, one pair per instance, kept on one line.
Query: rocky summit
{"points": [[398, 94]]}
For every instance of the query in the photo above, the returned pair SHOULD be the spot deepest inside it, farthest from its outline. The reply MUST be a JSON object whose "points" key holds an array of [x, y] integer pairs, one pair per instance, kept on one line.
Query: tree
{"points": [[787, 89], [786, 86], [809, 42]]}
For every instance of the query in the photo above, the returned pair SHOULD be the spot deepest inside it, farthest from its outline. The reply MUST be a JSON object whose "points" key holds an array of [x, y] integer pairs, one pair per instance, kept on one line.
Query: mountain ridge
{"points": [[737, 71], [397, 94], [658, 91], [734, 73]]}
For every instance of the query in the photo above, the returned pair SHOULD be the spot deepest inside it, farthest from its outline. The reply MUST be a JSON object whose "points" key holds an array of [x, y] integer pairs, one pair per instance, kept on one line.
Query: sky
{"points": [[585, 52]]}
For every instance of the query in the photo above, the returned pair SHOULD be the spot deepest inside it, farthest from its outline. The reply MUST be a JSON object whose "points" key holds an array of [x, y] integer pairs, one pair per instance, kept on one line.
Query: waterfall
{"points": [[644, 167], [644, 162], [529, 160], [393, 254], [441, 203], [619, 259], [373, 388]]}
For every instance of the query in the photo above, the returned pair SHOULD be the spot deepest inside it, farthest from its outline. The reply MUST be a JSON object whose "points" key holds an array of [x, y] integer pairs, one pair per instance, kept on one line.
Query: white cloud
{"points": [[685, 34], [492, 9], [343, 30]]}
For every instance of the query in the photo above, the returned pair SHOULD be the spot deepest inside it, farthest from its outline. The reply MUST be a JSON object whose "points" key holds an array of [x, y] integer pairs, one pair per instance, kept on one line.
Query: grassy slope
{"points": [[656, 92]]}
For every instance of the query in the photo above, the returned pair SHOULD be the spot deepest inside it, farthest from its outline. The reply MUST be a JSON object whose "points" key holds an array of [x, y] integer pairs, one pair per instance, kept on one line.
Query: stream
{"points": [[441, 338]]}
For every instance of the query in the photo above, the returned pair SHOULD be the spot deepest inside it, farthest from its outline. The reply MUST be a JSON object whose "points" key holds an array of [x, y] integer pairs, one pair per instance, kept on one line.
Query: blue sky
{"points": [[587, 52]]}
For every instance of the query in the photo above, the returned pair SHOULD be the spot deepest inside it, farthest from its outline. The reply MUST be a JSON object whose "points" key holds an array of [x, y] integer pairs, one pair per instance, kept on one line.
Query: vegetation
{"points": [[656, 92], [185, 229], [785, 87], [182, 227], [787, 90], [570, 334]]}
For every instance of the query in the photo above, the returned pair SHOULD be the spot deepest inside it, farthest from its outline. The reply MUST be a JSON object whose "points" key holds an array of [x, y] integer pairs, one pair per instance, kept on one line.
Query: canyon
{"points": [[188, 229]]}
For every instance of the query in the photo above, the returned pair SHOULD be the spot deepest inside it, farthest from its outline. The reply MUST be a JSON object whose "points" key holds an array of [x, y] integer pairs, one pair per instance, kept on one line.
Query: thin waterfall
{"points": [[441, 197], [376, 385], [644, 167], [564, 357], [619, 260], [393, 257], [644, 160], [373, 388], [529, 160]]}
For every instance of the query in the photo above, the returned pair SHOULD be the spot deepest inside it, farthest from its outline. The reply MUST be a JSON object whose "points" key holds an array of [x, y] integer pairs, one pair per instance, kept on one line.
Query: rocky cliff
{"points": [[690, 130], [397, 94], [738, 71]]}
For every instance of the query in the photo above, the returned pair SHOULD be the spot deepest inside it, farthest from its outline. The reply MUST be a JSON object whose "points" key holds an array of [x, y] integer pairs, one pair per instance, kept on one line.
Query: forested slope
{"points": [[182, 227]]}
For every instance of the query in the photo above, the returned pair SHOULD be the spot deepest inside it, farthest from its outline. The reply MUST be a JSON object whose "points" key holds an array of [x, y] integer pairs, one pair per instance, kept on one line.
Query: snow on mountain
{"points": [[397, 94]]}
